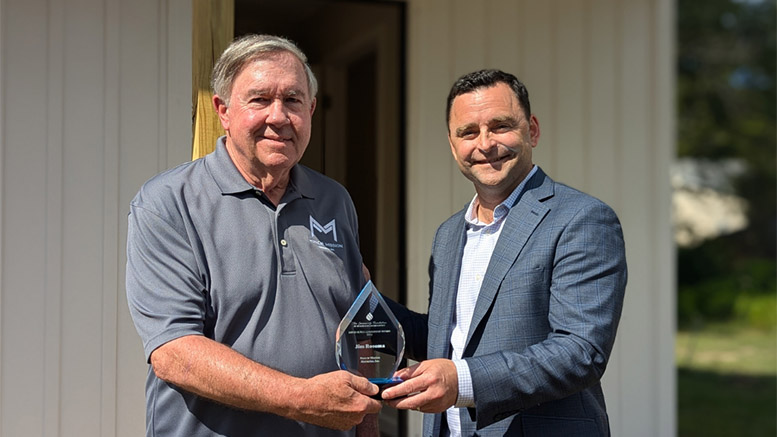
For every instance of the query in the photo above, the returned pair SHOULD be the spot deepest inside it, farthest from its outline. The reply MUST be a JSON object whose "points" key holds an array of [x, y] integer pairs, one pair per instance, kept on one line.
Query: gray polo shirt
{"points": [[208, 254]]}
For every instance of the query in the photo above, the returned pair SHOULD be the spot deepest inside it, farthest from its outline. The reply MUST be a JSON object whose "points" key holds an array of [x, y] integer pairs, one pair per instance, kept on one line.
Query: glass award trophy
{"points": [[370, 341]]}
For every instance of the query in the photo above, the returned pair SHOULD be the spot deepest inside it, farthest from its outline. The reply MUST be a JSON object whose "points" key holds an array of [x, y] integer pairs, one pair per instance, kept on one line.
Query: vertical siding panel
{"points": [[602, 159], [467, 29], [428, 154], [571, 84], [414, 197], [504, 45], [664, 256], [3, 40], [110, 396], [23, 289], [82, 219], [54, 214], [637, 173], [177, 32], [140, 157], [139, 149], [131, 367], [174, 98], [146, 145], [537, 23], [602, 113]]}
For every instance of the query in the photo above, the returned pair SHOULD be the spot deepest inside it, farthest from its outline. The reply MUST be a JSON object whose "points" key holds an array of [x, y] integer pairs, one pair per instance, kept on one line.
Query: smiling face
{"points": [[492, 140], [269, 116]]}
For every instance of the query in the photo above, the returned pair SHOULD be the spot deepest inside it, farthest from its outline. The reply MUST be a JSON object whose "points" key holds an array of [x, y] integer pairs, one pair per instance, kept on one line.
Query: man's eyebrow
{"points": [[509, 119], [460, 130], [505, 119], [294, 92]]}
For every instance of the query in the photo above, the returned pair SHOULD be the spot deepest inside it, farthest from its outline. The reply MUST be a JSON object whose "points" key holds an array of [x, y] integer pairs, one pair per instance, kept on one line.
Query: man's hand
{"points": [[337, 400], [430, 387]]}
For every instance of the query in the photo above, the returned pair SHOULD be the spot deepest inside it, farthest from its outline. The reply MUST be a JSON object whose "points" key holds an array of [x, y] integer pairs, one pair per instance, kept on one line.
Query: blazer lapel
{"points": [[446, 285], [520, 223]]}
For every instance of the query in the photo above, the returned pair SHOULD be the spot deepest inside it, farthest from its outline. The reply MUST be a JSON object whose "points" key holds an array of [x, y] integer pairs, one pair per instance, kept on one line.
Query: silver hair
{"points": [[247, 49]]}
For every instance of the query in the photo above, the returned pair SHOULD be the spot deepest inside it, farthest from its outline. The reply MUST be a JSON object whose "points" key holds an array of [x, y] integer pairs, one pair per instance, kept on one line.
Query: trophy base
{"points": [[384, 383]]}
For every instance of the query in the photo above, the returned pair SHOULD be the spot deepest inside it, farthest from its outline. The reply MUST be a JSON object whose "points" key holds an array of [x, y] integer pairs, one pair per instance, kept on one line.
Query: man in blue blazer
{"points": [[526, 285]]}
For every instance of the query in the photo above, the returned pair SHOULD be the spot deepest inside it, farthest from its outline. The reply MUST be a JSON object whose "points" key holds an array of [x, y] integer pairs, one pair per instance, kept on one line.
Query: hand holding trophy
{"points": [[370, 341]]}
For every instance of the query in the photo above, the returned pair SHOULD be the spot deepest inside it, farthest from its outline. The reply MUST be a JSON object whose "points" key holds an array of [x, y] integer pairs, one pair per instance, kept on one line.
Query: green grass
{"points": [[727, 382], [728, 348]]}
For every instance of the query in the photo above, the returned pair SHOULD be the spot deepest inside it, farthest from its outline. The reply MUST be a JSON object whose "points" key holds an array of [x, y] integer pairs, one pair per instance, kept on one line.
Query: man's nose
{"points": [[487, 142], [277, 113]]}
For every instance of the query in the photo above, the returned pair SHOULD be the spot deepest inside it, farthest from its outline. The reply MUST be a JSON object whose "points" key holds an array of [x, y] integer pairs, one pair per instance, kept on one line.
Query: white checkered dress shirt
{"points": [[481, 240]]}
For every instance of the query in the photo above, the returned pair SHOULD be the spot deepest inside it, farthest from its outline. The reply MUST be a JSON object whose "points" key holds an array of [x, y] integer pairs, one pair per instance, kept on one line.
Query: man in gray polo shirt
{"points": [[240, 266]]}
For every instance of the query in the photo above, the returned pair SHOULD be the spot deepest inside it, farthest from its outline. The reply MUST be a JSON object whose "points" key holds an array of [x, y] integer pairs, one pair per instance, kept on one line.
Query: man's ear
{"points": [[313, 106], [222, 111], [534, 130]]}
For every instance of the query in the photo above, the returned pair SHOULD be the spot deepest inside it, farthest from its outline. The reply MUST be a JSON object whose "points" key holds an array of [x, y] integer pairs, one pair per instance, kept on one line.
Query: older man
{"points": [[526, 288], [241, 264]]}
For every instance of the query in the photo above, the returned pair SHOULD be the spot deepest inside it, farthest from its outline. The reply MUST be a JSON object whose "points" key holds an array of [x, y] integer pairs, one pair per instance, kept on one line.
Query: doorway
{"points": [[356, 50]]}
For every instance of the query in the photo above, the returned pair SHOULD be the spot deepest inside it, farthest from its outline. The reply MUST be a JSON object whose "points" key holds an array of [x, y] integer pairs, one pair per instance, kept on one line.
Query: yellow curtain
{"points": [[213, 27]]}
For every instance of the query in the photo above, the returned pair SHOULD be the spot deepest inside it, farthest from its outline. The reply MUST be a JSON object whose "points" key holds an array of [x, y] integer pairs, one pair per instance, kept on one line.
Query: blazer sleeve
{"points": [[587, 284]]}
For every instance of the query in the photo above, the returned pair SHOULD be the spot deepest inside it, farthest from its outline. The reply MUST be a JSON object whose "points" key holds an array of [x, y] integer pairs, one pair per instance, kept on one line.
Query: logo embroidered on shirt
{"points": [[324, 230]]}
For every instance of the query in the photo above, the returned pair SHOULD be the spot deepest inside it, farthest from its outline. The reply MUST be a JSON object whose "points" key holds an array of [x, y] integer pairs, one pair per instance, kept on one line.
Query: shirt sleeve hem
{"points": [[466, 396], [165, 337]]}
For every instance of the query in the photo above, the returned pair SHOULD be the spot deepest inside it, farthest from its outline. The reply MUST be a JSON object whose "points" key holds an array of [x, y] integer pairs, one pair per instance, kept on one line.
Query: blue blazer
{"points": [[545, 319]]}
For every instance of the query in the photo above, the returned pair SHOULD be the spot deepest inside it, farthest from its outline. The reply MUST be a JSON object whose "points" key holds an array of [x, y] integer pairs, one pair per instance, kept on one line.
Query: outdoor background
{"points": [[724, 214]]}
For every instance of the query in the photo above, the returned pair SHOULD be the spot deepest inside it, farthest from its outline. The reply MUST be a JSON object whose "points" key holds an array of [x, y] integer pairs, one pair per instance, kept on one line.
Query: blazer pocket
{"points": [[526, 280]]}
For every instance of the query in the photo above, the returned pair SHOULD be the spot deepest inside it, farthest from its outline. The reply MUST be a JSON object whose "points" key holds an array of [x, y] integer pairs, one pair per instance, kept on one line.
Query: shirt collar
{"points": [[502, 209], [230, 181]]}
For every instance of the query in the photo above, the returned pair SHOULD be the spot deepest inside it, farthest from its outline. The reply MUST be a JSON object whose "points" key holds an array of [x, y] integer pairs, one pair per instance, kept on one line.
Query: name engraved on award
{"points": [[370, 341]]}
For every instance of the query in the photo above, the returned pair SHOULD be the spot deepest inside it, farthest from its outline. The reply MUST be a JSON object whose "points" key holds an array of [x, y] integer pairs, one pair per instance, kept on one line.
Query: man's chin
{"points": [[491, 175], [279, 162], [488, 182]]}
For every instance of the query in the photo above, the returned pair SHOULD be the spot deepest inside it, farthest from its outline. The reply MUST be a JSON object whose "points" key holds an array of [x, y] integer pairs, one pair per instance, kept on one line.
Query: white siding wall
{"points": [[95, 98], [94, 101], [600, 77]]}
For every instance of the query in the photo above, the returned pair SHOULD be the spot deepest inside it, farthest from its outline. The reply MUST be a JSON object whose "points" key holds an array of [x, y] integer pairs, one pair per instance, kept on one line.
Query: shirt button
{"points": [[284, 243]]}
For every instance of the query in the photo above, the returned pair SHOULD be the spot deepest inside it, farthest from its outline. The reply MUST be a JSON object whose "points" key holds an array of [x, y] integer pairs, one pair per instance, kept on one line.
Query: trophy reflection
{"points": [[370, 341]]}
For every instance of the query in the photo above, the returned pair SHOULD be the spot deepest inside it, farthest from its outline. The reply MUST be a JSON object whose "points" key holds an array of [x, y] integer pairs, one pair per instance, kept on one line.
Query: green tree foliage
{"points": [[727, 107]]}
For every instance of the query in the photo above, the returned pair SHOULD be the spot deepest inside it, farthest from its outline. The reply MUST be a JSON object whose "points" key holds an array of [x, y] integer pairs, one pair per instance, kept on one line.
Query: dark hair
{"points": [[486, 79]]}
